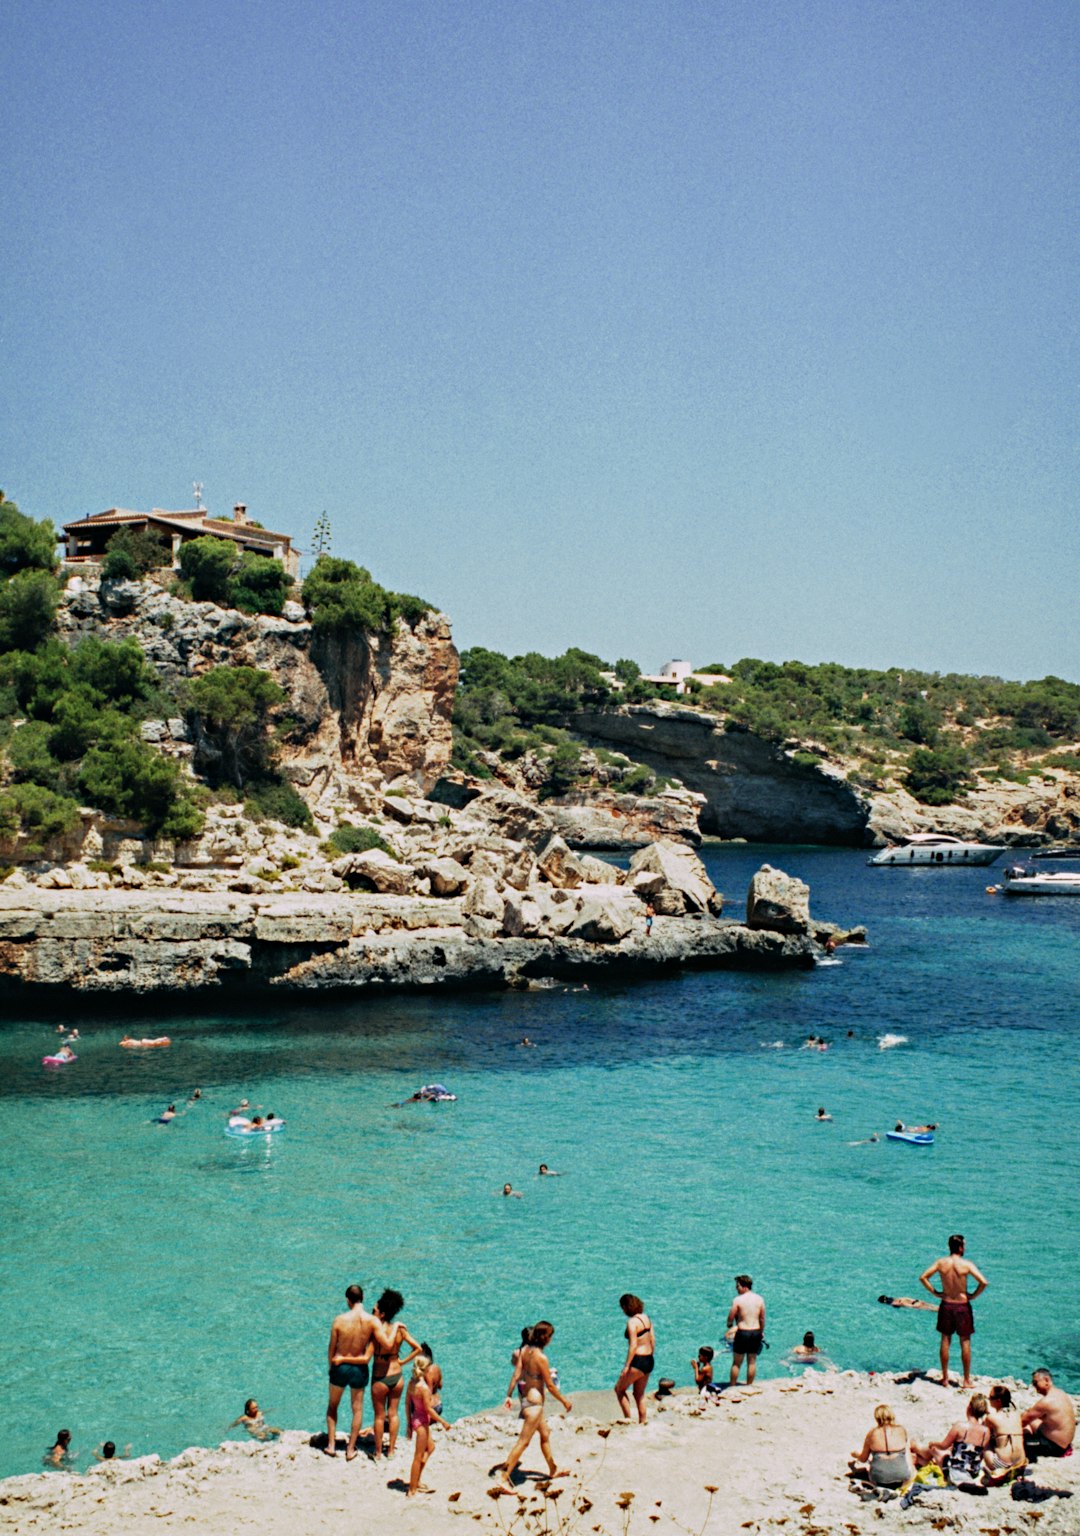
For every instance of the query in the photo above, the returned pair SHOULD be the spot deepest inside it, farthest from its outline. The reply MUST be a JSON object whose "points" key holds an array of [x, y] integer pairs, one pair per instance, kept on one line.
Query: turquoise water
{"points": [[152, 1277]]}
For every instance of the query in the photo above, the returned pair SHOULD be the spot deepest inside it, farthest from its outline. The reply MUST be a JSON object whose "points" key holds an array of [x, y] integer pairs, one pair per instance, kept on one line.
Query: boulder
{"points": [[484, 900], [684, 886], [519, 869], [778, 902], [447, 876], [605, 916], [376, 871], [522, 916], [513, 816], [559, 866], [599, 871]]}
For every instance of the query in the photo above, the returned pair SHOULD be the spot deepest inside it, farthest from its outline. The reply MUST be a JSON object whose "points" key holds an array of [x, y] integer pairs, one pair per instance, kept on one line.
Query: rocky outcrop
{"points": [[604, 818], [778, 902], [672, 880], [361, 709], [124, 942], [752, 788]]}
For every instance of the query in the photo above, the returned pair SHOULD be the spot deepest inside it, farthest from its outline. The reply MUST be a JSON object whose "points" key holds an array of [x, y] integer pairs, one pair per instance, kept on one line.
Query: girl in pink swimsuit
{"points": [[421, 1413]]}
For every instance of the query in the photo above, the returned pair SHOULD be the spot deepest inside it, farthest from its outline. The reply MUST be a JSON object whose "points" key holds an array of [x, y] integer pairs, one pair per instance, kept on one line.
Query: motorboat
{"points": [[1072, 852], [1022, 881], [920, 848]]}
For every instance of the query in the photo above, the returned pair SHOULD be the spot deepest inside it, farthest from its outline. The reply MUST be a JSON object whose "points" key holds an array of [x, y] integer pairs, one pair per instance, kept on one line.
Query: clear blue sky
{"points": [[663, 329]]}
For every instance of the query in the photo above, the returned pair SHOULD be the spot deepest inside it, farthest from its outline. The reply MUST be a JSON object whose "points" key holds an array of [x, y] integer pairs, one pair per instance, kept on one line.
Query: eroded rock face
{"points": [[777, 902], [364, 708], [673, 879]]}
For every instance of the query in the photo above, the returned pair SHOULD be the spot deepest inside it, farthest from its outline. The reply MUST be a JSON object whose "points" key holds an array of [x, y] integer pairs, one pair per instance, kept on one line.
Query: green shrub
{"points": [[273, 799], [938, 776], [229, 708], [27, 609], [289, 861], [411, 609], [258, 585], [340, 596], [37, 812], [32, 761], [206, 564], [127, 778], [132, 552], [806, 759], [347, 838], [639, 781], [24, 544]]}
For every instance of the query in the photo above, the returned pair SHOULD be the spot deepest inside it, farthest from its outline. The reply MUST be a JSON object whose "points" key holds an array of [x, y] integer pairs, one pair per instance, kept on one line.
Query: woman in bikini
{"points": [[533, 1378], [387, 1383], [1006, 1456], [884, 1459], [960, 1451], [421, 1413], [640, 1356]]}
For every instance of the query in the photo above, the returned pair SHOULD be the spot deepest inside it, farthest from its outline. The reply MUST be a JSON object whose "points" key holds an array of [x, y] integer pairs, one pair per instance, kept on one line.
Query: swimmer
{"points": [[544, 1172], [525, 1041], [73, 1034], [821, 1115], [130, 1044], [241, 1109], [510, 1193], [254, 1423], [195, 1096], [167, 1115], [107, 1452], [65, 1053], [907, 1301], [867, 1141], [807, 1350], [60, 1453]]}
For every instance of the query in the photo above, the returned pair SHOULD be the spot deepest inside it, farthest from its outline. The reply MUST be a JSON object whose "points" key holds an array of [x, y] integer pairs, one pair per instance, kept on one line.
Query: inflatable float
{"points": [[58, 1061], [239, 1126], [913, 1138], [430, 1093]]}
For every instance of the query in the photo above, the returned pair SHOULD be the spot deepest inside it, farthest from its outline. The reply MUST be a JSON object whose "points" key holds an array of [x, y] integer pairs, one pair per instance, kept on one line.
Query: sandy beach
{"points": [[770, 1459]]}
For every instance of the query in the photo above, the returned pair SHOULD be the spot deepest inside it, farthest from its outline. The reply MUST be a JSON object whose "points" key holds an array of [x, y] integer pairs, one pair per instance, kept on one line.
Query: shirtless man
{"points": [[747, 1317], [1006, 1455], [352, 1344], [954, 1311], [1050, 1423]]}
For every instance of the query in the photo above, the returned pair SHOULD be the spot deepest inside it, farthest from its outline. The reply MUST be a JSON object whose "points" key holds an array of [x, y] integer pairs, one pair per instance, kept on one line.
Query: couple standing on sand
{"points": [[363, 1342]]}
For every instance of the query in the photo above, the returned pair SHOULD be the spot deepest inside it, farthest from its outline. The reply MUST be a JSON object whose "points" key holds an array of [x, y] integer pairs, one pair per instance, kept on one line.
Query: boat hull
{"points": [[915, 858], [1043, 885]]}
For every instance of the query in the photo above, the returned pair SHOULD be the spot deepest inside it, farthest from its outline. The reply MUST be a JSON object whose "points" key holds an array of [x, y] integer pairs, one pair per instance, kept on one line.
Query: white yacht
{"points": [[920, 848], [1021, 881]]}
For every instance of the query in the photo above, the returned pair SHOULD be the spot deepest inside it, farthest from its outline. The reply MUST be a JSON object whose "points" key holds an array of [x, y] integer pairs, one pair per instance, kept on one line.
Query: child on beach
{"points": [[702, 1368], [420, 1414]]}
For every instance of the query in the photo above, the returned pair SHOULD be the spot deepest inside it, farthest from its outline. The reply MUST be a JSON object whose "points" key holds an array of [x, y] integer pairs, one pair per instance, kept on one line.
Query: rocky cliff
{"points": [[361, 709], [756, 789]]}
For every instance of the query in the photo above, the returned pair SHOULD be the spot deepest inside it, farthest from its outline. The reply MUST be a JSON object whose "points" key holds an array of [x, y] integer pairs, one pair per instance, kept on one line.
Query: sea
{"points": [[153, 1277]]}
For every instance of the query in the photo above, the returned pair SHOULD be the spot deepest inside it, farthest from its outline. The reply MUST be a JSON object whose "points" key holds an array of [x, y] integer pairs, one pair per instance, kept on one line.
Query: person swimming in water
{"points": [[907, 1301]]}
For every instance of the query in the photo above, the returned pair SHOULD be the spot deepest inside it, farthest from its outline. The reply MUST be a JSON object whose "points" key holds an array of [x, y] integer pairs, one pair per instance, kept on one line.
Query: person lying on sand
{"points": [[907, 1301]]}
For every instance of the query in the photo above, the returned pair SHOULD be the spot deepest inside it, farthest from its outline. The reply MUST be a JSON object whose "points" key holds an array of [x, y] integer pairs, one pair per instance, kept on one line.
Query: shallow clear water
{"points": [[152, 1277]]}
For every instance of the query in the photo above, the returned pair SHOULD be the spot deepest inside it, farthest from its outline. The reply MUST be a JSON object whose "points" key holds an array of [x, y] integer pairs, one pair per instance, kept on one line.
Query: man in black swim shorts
{"points": [[747, 1317], [352, 1343]]}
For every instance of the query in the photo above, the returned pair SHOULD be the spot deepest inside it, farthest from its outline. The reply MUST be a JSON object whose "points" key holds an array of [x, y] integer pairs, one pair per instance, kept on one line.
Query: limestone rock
{"points": [[599, 871], [685, 887], [559, 866], [447, 876], [778, 902], [484, 900], [606, 916], [513, 816], [376, 871]]}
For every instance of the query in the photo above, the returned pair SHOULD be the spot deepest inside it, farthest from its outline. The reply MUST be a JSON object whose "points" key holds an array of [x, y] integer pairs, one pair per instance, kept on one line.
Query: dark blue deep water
{"points": [[153, 1277]]}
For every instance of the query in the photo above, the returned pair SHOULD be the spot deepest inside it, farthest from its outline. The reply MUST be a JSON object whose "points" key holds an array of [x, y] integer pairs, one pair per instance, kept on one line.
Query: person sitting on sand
{"points": [[907, 1301], [640, 1356], [254, 1423], [884, 1459], [702, 1368], [1006, 1456], [387, 1366], [534, 1379], [420, 1414], [59, 1454], [1050, 1423], [960, 1451]]}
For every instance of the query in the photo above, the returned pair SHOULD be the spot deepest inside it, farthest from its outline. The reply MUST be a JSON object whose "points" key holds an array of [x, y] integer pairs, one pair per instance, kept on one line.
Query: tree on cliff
{"points": [[229, 709], [217, 572], [24, 544], [341, 596]]}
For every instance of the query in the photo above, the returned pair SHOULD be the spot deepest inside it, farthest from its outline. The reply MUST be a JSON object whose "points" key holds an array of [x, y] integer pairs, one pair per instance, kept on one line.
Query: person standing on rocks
{"points": [[747, 1317], [954, 1310], [352, 1344]]}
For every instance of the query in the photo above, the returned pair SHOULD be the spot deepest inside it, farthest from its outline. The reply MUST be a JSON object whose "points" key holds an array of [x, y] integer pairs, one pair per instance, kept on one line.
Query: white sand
{"points": [[776, 1457]]}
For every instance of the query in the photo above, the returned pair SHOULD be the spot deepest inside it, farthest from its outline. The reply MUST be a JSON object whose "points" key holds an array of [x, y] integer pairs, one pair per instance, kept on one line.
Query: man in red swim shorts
{"points": [[954, 1310]]}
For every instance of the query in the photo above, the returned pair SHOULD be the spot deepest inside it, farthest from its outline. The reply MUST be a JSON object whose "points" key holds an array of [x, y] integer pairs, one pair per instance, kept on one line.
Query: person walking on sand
{"points": [[640, 1356], [534, 1379], [1050, 1422], [352, 1343], [747, 1317], [954, 1298], [420, 1414]]}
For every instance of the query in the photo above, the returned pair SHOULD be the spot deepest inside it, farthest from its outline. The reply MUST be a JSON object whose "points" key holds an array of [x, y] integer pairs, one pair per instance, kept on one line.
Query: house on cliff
{"points": [[677, 674], [88, 537]]}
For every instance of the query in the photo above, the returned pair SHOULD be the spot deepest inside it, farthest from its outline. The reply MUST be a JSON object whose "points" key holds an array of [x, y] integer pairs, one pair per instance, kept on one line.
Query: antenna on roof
{"points": [[197, 486]]}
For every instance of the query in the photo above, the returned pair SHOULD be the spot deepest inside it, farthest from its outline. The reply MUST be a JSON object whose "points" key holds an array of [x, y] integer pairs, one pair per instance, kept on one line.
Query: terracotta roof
{"points": [[241, 532], [245, 530]]}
